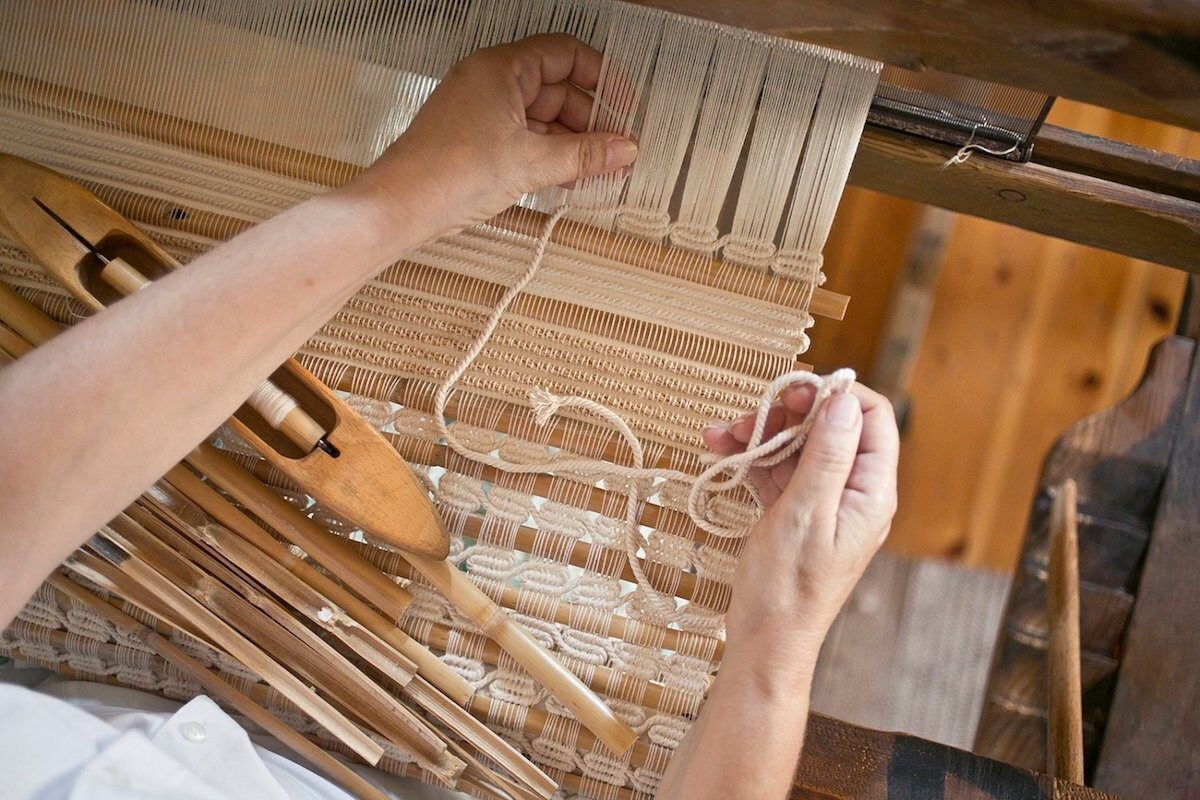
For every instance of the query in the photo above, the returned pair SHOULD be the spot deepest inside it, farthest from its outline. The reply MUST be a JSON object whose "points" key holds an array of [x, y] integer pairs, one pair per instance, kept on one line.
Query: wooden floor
{"points": [[911, 650]]}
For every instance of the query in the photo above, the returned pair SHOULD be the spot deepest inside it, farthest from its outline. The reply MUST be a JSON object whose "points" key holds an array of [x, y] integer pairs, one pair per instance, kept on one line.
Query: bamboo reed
{"points": [[222, 691], [183, 606]]}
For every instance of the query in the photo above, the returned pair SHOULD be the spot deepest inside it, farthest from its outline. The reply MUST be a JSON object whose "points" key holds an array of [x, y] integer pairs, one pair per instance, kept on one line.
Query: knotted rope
{"points": [[758, 453]]}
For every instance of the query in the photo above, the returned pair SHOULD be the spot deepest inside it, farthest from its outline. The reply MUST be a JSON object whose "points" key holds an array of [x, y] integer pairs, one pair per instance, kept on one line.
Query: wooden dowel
{"points": [[326, 549], [233, 519], [25, 318], [183, 606], [257, 616], [1065, 687], [454, 585], [223, 692], [12, 343], [465, 596]]}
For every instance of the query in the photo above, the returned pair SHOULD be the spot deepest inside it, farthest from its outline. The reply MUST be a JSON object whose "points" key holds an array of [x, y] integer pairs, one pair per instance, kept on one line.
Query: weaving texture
{"points": [[673, 295]]}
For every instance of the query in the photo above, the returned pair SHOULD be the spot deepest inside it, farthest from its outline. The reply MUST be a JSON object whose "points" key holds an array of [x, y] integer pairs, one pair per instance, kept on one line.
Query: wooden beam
{"points": [[1139, 58], [1118, 162], [1045, 199], [1149, 745], [845, 762]]}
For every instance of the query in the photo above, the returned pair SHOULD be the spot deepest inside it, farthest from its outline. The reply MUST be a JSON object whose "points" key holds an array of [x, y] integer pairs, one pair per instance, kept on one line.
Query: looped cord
{"points": [[644, 222], [544, 405], [971, 146]]}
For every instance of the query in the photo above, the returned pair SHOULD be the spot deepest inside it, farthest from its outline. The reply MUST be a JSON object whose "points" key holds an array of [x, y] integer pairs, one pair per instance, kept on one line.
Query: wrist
{"points": [[394, 204], [775, 660]]}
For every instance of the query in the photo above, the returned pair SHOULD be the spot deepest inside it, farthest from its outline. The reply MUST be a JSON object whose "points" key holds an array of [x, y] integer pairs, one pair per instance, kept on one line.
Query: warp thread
{"points": [[758, 453]]}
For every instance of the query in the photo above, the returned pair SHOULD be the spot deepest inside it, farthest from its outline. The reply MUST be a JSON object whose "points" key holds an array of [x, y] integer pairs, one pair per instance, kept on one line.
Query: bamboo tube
{"points": [[223, 692], [25, 318], [258, 616], [319, 610], [12, 343], [237, 522], [1065, 718], [331, 552], [183, 606], [454, 585]]}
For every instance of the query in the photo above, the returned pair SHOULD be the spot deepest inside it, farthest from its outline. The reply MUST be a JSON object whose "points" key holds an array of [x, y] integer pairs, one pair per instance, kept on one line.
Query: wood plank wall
{"points": [[1028, 334]]}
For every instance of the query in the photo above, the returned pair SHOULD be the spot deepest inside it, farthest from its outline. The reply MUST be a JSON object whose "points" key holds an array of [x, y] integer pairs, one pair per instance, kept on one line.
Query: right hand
{"points": [[828, 511], [504, 121]]}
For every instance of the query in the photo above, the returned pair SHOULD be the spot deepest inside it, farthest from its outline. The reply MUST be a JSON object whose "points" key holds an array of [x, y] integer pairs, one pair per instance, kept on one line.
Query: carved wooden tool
{"points": [[294, 420]]}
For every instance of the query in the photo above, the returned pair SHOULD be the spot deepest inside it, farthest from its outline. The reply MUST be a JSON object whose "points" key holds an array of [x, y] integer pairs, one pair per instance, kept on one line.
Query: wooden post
{"points": [[1064, 757]]}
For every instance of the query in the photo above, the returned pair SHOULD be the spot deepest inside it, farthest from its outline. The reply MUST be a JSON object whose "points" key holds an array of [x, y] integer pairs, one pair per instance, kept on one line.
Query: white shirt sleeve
{"points": [[53, 750]]}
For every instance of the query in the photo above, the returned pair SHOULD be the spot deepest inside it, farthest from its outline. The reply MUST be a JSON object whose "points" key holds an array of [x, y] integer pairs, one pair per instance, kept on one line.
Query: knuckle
{"points": [[829, 456], [585, 158]]}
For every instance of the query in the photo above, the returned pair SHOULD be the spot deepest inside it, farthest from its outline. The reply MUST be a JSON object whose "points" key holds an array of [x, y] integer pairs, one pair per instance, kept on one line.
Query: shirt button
{"points": [[194, 732]]}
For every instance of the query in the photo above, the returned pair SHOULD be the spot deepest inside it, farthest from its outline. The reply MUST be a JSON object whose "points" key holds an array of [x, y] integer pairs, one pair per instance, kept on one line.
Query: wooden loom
{"points": [[1150, 211]]}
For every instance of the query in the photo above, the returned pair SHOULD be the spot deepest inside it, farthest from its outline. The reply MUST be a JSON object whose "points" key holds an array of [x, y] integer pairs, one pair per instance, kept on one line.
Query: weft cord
{"points": [[758, 453]]}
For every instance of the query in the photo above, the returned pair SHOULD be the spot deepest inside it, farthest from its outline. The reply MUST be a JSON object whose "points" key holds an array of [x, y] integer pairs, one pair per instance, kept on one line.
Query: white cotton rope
{"points": [[273, 403], [758, 453]]}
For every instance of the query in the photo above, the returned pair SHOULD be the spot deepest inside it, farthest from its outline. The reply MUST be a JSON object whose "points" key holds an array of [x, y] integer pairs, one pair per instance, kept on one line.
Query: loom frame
{"points": [[1138, 59]]}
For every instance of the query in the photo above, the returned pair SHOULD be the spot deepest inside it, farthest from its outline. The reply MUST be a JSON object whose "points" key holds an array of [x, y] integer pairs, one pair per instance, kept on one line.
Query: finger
{"points": [[873, 478], [563, 103], [743, 427], [553, 58], [574, 156], [718, 439], [827, 458], [798, 398], [547, 128]]}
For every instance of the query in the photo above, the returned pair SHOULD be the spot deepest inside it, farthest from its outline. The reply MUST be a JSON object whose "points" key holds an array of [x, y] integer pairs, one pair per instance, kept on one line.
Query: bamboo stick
{"points": [[256, 615], [13, 344], [234, 520], [1065, 718], [25, 318], [455, 586], [183, 606], [223, 691]]}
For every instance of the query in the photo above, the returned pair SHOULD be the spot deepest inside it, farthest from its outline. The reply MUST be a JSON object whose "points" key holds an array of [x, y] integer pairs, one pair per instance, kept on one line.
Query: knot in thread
{"points": [[544, 405], [758, 453]]}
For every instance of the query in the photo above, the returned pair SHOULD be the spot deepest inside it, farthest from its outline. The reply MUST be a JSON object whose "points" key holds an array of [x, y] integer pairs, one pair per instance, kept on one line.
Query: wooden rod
{"points": [[237, 601], [454, 585], [222, 691], [25, 318], [12, 343], [1065, 689], [183, 606]]}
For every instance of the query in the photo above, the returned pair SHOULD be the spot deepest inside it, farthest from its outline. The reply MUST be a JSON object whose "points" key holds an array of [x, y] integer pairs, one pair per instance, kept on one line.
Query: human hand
{"points": [[827, 511], [505, 121]]}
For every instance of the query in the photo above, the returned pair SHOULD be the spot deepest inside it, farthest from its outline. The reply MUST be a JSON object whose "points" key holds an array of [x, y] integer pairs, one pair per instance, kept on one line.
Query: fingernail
{"points": [[619, 153], [717, 427], [842, 411]]}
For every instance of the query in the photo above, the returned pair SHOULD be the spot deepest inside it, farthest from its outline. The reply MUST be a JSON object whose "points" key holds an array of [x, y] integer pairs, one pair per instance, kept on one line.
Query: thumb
{"points": [[571, 157], [827, 458]]}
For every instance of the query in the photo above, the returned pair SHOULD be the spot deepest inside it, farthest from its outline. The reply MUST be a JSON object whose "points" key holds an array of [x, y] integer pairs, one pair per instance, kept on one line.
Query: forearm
{"points": [[105, 408], [746, 742]]}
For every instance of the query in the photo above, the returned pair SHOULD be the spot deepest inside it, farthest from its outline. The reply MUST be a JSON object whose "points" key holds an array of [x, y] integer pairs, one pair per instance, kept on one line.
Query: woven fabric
{"points": [[673, 297]]}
